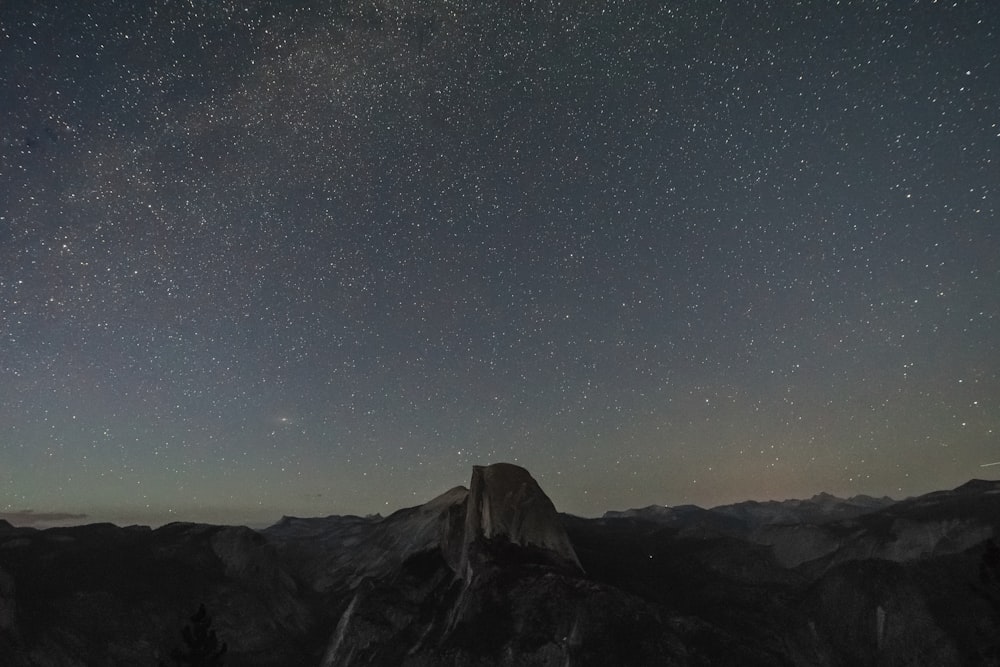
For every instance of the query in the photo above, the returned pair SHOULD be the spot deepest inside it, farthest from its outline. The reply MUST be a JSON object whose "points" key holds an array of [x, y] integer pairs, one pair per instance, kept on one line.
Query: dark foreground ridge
{"points": [[493, 575]]}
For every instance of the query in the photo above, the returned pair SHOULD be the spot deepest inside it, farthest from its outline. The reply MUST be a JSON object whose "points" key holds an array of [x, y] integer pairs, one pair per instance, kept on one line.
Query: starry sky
{"points": [[320, 257]]}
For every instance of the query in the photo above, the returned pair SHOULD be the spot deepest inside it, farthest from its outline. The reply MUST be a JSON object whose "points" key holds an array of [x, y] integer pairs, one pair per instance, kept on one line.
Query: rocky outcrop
{"points": [[507, 506], [504, 508]]}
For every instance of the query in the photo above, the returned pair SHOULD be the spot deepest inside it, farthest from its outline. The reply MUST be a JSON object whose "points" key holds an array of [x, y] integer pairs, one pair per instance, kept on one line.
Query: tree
{"points": [[989, 590], [989, 575], [201, 644]]}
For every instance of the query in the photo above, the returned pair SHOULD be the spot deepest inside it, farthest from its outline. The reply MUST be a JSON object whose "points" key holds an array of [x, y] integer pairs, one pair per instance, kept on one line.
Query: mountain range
{"points": [[493, 574]]}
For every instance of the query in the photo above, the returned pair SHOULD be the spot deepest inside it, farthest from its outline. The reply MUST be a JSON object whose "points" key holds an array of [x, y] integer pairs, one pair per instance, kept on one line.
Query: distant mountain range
{"points": [[494, 575]]}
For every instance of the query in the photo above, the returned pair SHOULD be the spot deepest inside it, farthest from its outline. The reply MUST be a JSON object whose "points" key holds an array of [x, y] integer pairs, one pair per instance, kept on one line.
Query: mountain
{"points": [[506, 505], [484, 575], [820, 508], [492, 574]]}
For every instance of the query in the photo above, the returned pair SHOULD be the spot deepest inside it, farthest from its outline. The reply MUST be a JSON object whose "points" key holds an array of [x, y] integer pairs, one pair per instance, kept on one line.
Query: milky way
{"points": [[319, 257]]}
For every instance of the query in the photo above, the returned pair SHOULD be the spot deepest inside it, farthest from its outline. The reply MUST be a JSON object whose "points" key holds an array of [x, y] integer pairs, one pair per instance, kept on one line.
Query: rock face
{"points": [[506, 504]]}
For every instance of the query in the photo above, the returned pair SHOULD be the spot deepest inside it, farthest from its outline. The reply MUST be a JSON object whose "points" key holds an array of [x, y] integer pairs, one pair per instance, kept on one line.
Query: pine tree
{"points": [[989, 590], [201, 644]]}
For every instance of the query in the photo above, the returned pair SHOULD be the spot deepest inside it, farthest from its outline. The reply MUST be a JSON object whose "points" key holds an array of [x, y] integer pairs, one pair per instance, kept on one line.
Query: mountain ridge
{"points": [[490, 582]]}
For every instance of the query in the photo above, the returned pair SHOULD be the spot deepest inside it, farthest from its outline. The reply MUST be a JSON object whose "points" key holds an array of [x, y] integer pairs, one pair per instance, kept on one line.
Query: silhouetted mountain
{"points": [[820, 508], [978, 486], [493, 575]]}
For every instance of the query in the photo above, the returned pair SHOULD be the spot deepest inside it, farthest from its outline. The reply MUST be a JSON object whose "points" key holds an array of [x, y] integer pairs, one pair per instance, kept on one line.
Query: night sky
{"points": [[321, 257]]}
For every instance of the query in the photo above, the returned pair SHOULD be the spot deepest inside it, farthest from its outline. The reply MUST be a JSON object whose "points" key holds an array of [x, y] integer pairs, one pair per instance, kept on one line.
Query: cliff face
{"points": [[507, 505]]}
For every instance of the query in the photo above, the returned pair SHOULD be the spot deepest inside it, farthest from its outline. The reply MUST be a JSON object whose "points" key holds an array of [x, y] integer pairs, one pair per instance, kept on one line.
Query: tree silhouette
{"points": [[201, 645], [989, 590], [989, 574]]}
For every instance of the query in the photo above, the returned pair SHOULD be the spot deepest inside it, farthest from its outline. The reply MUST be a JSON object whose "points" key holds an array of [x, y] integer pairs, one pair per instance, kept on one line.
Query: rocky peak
{"points": [[975, 486], [506, 504]]}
